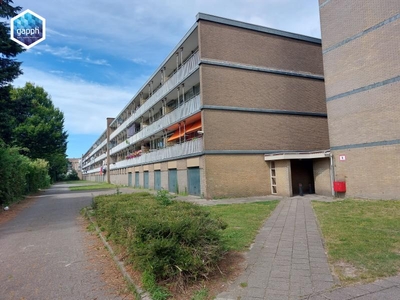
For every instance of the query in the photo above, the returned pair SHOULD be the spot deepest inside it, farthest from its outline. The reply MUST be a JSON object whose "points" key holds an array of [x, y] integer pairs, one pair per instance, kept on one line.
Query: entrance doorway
{"points": [[302, 173]]}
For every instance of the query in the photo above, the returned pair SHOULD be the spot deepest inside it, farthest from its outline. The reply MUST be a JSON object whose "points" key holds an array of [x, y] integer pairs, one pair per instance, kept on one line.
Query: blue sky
{"points": [[97, 54]]}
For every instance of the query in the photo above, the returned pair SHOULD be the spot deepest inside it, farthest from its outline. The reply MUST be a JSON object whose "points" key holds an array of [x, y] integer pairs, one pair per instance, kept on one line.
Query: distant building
{"points": [[361, 47], [75, 164], [235, 110]]}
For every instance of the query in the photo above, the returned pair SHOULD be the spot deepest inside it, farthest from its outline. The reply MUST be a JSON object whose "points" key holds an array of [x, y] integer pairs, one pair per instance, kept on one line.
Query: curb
{"points": [[138, 291]]}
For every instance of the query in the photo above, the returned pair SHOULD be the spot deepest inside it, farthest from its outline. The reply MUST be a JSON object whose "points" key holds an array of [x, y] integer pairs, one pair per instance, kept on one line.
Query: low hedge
{"points": [[169, 239], [20, 175]]}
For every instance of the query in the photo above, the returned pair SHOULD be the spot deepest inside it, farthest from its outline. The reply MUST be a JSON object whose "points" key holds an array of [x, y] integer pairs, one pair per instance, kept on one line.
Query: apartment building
{"points": [[360, 44], [235, 110]]}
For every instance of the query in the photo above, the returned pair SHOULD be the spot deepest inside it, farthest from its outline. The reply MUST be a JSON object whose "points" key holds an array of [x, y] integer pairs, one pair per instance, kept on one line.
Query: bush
{"points": [[164, 197], [20, 175], [179, 241]]}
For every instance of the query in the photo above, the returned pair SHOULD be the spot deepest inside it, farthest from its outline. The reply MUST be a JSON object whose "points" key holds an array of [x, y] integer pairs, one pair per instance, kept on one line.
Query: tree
{"points": [[39, 127], [9, 68]]}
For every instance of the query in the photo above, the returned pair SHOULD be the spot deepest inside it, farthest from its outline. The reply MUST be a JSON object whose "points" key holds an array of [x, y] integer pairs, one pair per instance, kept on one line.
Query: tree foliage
{"points": [[10, 68], [39, 127], [29, 121]]}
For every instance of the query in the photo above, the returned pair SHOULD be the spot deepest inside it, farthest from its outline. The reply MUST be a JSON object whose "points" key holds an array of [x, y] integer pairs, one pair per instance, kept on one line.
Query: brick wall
{"points": [[372, 172], [322, 176], [242, 88], [364, 122], [236, 176], [228, 130], [228, 43]]}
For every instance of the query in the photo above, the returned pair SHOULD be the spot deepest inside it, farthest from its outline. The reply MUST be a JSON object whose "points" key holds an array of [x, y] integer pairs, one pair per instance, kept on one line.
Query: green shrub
{"points": [[164, 197], [179, 241], [20, 175]]}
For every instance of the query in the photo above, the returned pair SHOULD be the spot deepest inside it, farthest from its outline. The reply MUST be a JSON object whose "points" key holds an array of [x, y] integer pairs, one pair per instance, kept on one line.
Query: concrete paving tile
{"points": [[317, 264], [390, 294], [296, 266], [257, 281], [319, 285], [316, 297], [385, 283], [338, 294], [300, 279], [282, 262], [300, 260], [395, 279], [281, 268], [321, 271], [256, 293], [370, 287], [295, 272], [321, 277], [354, 291], [276, 284], [279, 274]]}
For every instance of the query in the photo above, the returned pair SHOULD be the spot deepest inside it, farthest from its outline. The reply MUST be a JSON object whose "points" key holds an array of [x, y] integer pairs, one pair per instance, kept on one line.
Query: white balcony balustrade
{"points": [[191, 147], [185, 70], [182, 112]]}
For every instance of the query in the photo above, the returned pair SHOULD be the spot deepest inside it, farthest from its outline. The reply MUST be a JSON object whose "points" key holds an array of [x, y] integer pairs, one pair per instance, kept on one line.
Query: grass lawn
{"points": [[244, 221], [362, 237], [94, 186]]}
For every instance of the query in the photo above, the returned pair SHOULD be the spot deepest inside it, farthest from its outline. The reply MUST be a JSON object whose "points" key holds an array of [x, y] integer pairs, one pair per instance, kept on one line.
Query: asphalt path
{"points": [[43, 254]]}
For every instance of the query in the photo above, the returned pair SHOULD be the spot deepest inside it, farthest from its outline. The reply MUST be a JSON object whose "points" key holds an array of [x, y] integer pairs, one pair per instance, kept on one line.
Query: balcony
{"points": [[173, 152], [187, 109], [176, 151], [188, 68]]}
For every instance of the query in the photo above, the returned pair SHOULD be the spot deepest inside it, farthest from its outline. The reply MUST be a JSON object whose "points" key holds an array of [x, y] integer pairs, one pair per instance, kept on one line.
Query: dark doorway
{"points": [[302, 173]]}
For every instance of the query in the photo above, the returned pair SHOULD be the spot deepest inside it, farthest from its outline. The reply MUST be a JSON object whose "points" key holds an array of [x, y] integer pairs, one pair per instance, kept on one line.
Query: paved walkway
{"points": [[288, 261], [43, 254]]}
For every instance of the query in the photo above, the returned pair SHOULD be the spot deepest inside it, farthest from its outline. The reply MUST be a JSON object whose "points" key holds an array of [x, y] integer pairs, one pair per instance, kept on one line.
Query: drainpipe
{"points": [[332, 173]]}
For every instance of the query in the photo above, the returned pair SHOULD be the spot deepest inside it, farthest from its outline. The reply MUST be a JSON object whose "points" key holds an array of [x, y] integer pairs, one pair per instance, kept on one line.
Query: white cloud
{"points": [[86, 105], [68, 53], [146, 28], [139, 61]]}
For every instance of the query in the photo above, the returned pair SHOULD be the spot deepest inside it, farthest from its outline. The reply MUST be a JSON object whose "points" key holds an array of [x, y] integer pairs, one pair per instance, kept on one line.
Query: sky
{"points": [[97, 54]]}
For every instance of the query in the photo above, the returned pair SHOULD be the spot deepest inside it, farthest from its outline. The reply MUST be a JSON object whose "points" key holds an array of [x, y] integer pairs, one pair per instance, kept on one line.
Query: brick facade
{"points": [[362, 74]]}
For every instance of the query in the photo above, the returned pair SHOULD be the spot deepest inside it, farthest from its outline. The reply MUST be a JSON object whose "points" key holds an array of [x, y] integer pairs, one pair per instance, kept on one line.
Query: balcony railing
{"points": [[182, 112], [174, 152], [189, 67]]}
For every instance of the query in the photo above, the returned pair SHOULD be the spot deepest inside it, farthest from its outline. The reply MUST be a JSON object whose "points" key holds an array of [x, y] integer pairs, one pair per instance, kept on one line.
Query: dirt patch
{"points": [[345, 269], [16, 208], [230, 267]]}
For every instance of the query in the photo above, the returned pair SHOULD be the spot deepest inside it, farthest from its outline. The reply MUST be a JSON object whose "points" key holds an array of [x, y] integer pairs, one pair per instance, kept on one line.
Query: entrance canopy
{"points": [[297, 155]]}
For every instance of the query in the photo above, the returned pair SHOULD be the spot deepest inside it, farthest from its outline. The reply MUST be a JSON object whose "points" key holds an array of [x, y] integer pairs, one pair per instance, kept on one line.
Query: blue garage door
{"points": [[157, 180], [146, 179], [136, 179], [173, 181], [194, 181]]}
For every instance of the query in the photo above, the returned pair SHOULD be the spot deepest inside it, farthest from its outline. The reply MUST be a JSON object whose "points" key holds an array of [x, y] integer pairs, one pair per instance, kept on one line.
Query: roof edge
{"points": [[240, 24]]}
